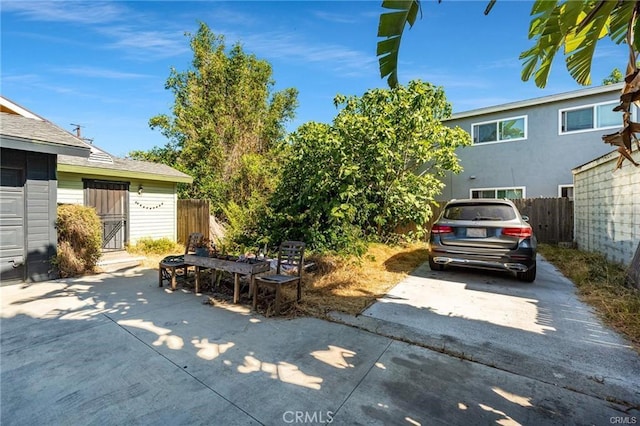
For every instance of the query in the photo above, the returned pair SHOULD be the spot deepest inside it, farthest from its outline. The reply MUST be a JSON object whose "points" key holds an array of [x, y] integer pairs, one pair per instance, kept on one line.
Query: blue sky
{"points": [[103, 65]]}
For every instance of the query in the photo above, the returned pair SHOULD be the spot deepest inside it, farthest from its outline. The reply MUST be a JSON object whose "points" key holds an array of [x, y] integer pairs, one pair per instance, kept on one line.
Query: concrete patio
{"points": [[115, 349]]}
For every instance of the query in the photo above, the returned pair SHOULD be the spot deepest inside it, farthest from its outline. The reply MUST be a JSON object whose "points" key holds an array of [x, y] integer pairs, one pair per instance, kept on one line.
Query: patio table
{"points": [[237, 267]]}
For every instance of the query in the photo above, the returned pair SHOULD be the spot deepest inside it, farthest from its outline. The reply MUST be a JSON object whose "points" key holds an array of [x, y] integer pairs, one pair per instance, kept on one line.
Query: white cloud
{"points": [[334, 57], [64, 11], [146, 43], [86, 71], [107, 19]]}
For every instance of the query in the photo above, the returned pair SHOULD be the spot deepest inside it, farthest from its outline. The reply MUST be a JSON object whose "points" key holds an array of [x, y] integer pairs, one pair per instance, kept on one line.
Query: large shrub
{"points": [[79, 240], [376, 168]]}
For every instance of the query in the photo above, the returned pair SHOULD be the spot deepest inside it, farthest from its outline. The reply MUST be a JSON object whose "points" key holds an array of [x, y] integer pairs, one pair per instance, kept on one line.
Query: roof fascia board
{"points": [[17, 109], [69, 168], [43, 147], [608, 157], [538, 101]]}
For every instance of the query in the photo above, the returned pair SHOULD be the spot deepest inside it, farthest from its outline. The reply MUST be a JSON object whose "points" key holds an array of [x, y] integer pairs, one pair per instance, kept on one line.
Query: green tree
{"points": [[224, 110], [613, 78], [376, 167]]}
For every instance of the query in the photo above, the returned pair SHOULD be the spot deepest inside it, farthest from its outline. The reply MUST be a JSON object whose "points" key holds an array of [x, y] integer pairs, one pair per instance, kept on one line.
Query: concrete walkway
{"points": [[115, 349]]}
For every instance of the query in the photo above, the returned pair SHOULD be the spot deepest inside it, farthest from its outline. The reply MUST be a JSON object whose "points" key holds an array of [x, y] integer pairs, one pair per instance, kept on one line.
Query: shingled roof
{"points": [[29, 134], [100, 162], [22, 129]]}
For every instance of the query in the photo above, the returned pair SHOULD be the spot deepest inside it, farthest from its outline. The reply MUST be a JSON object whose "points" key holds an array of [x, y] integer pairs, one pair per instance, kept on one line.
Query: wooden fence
{"points": [[193, 216], [550, 218]]}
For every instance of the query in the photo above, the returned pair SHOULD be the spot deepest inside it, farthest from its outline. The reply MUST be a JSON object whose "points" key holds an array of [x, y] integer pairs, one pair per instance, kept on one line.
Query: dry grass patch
{"points": [[601, 284], [152, 260], [336, 283], [351, 285], [155, 250]]}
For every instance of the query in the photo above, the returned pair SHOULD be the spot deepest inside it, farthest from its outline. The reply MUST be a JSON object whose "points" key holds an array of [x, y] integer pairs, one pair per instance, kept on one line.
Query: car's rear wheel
{"points": [[435, 266], [529, 276]]}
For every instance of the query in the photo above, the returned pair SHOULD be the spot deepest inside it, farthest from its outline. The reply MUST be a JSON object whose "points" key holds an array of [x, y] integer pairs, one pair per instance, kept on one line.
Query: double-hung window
{"points": [[510, 193], [589, 117], [507, 129]]}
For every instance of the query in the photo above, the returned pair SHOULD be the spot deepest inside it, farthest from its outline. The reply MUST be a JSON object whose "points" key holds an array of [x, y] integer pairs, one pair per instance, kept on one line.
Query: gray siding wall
{"points": [[41, 189], [539, 163], [39, 233]]}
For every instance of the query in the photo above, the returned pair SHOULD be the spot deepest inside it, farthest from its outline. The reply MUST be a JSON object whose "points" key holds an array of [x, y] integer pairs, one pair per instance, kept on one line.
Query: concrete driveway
{"points": [[115, 349], [538, 330]]}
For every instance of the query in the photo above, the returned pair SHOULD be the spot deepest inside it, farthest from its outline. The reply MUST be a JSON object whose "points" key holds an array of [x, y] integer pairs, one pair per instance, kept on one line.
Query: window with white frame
{"points": [[565, 191], [589, 117], [509, 193], [508, 129]]}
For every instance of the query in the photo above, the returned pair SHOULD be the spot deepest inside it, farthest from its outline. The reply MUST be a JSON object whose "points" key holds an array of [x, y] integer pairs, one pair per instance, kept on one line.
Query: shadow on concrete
{"points": [[115, 349], [540, 330]]}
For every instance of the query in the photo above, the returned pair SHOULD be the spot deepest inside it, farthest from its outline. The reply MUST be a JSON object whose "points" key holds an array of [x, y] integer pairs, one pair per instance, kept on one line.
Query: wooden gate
{"points": [[110, 199]]}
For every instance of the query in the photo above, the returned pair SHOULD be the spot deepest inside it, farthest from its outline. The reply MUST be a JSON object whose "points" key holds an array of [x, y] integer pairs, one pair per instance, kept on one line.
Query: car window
{"points": [[479, 212]]}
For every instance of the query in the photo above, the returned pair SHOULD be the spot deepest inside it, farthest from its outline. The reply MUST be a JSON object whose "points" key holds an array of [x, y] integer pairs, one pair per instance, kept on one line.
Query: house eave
{"points": [[125, 174], [43, 146], [537, 101]]}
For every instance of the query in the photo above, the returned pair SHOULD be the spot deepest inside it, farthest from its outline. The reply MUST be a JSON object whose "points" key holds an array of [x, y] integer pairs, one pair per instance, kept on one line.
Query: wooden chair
{"points": [[288, 272], [168, 267]]}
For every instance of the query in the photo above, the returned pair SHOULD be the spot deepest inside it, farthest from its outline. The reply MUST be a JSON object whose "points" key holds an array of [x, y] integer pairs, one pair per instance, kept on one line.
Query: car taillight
{"points": [[520, 232], [441, 229]]}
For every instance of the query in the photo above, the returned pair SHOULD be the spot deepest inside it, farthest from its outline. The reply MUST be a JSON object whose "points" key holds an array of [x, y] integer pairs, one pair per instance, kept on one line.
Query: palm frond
{"points": [[547, 32], [582, 39], [392, 26]]}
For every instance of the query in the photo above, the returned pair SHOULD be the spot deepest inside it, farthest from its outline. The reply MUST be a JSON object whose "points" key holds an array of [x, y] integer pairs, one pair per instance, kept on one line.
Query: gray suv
{"points": [[486, 234]]}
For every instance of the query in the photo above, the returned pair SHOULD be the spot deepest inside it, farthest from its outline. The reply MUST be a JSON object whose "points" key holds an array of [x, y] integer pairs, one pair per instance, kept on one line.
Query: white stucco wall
{"points": [[607, 207], [152, 213]]}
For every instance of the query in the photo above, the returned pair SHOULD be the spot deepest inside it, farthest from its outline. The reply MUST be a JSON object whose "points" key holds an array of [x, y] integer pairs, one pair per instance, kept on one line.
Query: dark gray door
{"points": [[12, 243], [110, 199]]}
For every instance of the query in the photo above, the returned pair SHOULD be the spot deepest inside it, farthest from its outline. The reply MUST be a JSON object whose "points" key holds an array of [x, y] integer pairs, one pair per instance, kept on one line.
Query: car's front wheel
{"points": [[529, 276], [435, 266]]}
